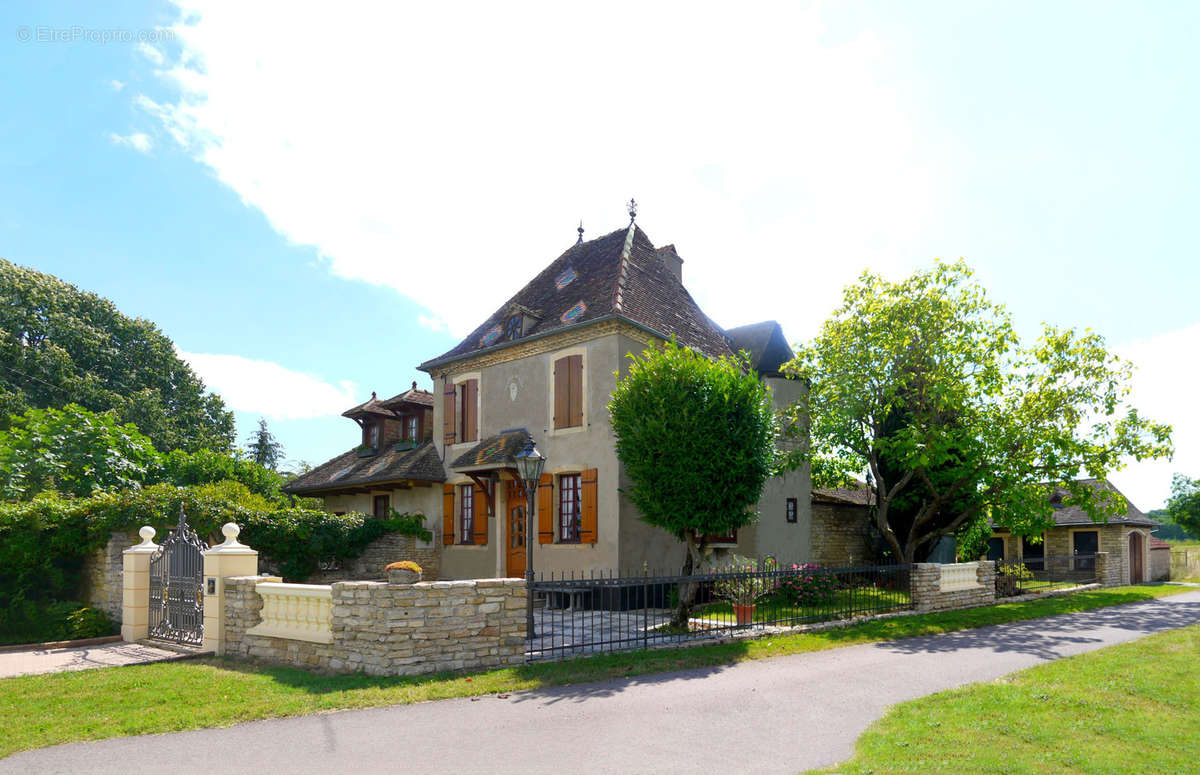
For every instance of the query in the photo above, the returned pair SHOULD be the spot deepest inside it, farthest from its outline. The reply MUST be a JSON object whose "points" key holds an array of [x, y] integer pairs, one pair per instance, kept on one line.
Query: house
{"points": [[543, 365], [1125, 537]]}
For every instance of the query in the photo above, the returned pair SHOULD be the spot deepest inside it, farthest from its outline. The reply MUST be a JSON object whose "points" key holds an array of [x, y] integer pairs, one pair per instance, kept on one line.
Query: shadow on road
{"points": [[1046, 638]]}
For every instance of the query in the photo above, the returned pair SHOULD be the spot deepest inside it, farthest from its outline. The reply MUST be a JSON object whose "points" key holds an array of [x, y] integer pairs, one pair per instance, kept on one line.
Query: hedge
{"points": [[44, 542]]}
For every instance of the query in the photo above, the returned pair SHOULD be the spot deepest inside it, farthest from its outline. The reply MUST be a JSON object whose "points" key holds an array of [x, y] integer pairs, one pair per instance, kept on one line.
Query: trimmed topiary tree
{"points": [[697, 438]]}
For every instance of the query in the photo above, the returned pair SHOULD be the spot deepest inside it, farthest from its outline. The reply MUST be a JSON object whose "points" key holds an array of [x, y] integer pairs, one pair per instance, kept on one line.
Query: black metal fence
{"points": [[605, 612], [1040, 574]]}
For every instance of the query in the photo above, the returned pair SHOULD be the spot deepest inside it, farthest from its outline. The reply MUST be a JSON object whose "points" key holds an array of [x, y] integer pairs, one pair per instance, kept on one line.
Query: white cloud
{"points": [[139, 141], [151, 53], [1164, 389], [116, 85], [779, 162], [266, 388]]}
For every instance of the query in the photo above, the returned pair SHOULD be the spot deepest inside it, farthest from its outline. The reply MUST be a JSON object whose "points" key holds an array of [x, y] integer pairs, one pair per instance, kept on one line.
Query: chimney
{"points": [[671, 261]]}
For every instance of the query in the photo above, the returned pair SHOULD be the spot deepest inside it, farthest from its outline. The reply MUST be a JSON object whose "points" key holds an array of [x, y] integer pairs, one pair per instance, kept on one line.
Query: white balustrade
{"points": [[295, 611], [960, 575]]}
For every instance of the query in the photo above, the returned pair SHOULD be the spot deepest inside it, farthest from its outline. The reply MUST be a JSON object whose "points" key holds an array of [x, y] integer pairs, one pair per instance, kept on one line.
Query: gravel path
{"points": [[779, 715]]}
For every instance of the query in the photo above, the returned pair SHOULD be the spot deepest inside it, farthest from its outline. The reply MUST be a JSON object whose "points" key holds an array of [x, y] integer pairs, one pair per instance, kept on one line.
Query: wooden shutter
{"points": [[447, 514], [574, 391], [470, 410], [545, 508], [449, 418], [480, 519], [562, 392], [588, 516]]}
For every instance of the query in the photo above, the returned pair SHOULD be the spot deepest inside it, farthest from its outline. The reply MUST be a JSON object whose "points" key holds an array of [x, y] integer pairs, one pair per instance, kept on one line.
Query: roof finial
{"points": [[580, 230], [414, 387], [632, 210], [372, 395]]}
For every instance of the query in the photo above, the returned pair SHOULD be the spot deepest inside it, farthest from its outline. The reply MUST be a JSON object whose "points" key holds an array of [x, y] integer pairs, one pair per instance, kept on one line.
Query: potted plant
{"points": [[403, 572], [742, 584]]}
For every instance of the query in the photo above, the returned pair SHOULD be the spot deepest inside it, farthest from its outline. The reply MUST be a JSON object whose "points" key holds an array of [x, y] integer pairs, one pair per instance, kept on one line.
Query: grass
{"points": [[37, 711], [858, 599], [1128, 708]]}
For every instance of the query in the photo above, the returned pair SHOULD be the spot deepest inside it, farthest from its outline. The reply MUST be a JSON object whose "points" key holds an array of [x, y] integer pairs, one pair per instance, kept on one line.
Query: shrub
{"points": [[37, 622], [746, 582], [808, 584]]}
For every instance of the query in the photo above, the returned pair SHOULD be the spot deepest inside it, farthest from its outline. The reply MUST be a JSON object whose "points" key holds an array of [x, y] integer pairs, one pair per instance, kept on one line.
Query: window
{"points": [[791, 509], [380, 506], [466, 514], [371, 435], [568, 392], [1084, 545], [468, 410], [569, 500], [410, 427], [1033, 555], [995, 550]]}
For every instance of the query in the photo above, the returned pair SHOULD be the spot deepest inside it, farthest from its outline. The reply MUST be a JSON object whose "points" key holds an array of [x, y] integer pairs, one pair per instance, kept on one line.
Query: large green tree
{"points": [[986, 422], [697, 439], [264, 448], [60, 345], [1184, 505]]}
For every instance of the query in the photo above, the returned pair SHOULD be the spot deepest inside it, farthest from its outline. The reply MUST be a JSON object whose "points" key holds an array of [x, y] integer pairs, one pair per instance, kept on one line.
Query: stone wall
{"points": [[370, 565], [840, 535], [393, 629], [928, 596], [1160, 564], [103, 574]]}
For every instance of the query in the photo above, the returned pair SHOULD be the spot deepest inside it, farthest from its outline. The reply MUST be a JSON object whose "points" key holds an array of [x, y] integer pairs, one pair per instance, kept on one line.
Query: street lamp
{"points": [[529, 463]]}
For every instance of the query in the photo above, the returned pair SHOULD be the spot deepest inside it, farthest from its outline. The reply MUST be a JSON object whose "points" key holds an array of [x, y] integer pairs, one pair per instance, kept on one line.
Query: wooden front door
{"points": [[515, 565], [1136, 575]]}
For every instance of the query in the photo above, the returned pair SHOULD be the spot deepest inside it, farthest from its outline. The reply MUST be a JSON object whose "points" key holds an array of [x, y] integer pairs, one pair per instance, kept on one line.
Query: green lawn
{"points": [[37, 711], [862, 600], [1123, 709]]}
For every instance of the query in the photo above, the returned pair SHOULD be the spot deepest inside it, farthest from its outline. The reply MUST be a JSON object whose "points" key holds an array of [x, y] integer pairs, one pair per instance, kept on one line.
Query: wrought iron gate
{"points": [[177, 586]]}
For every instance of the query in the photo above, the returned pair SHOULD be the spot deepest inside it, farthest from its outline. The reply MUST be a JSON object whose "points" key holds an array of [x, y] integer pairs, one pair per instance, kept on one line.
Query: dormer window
{"points": [[410, 427], [512, 328], [371, 435]]}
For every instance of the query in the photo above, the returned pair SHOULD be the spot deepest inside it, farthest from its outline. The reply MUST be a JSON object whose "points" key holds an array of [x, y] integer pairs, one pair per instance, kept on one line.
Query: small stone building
{"points": [[1125, 537], [841, 526]]}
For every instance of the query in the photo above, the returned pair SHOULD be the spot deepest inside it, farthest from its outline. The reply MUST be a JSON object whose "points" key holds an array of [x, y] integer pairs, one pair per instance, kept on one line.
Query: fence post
{"points": [[925, 581], [135, 587], [1101, 566], [220, 562]]}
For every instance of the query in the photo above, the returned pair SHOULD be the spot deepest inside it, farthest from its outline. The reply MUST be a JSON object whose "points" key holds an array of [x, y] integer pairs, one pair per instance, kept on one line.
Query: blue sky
{"points": [[286, 194]]}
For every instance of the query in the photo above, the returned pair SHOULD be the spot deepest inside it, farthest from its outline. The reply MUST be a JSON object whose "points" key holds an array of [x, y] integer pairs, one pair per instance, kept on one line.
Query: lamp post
{"points": [[529, 463]]}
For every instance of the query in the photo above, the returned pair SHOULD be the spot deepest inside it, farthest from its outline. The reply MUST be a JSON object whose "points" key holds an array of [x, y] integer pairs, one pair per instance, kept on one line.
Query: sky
{"points": [[310, 200]]}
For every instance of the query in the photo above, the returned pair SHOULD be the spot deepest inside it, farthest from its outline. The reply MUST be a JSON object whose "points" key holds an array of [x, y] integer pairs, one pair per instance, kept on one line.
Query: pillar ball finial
{"points": [[230, 531], [147, 532]]}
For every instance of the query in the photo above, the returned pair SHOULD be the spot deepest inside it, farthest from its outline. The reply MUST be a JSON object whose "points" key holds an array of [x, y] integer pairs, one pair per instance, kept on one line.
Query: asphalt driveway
{"points": [[776, 715]]}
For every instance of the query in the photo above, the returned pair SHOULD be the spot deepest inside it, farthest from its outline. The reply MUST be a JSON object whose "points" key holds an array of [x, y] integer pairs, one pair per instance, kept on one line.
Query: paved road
{"points": [[772, 715], [79, 658]]}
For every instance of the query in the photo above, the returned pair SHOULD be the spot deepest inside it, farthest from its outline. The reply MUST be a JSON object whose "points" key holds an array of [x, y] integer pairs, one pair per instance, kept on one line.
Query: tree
{"points": [[696, 437], [1184, 505], [72, 451], [263, 447], [986, 425], [59, 345]]}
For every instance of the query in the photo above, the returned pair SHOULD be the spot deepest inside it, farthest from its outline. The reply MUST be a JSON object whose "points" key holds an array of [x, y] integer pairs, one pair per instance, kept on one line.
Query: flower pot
{"points": [[403, 576], [744, 614]]}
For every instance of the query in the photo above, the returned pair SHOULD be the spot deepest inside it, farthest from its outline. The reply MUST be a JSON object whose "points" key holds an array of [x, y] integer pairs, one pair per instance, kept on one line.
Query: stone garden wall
{"points": [[931, 590], [840, 535], [103, 575], [390, 629]]}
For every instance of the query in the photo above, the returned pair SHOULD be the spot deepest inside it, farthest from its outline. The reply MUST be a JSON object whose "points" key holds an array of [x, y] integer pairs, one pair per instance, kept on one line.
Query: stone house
{"points": [[1125, 537], [543, 365]]}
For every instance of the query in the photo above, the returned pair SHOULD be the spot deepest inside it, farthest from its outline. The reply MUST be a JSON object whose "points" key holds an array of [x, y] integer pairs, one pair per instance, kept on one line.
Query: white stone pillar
{"points": [[135, 587], [221, 562]]}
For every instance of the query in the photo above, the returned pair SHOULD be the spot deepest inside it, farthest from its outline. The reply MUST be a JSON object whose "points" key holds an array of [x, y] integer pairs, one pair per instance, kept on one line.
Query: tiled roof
{"points": [[1075, 515], [396, 462], [1158, 543], [412, 396], [856, 494], [371, 406], [766, 344], [497, 450], [620, 273]]}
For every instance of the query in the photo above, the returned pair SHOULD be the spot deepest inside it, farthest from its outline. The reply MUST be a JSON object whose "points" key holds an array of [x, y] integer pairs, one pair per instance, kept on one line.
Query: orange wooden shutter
{"points": [[447, 514], [545, 507], [481, 516], [588, 517], [449, 420], [575, 391], [562, 393], [470, 410]]}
